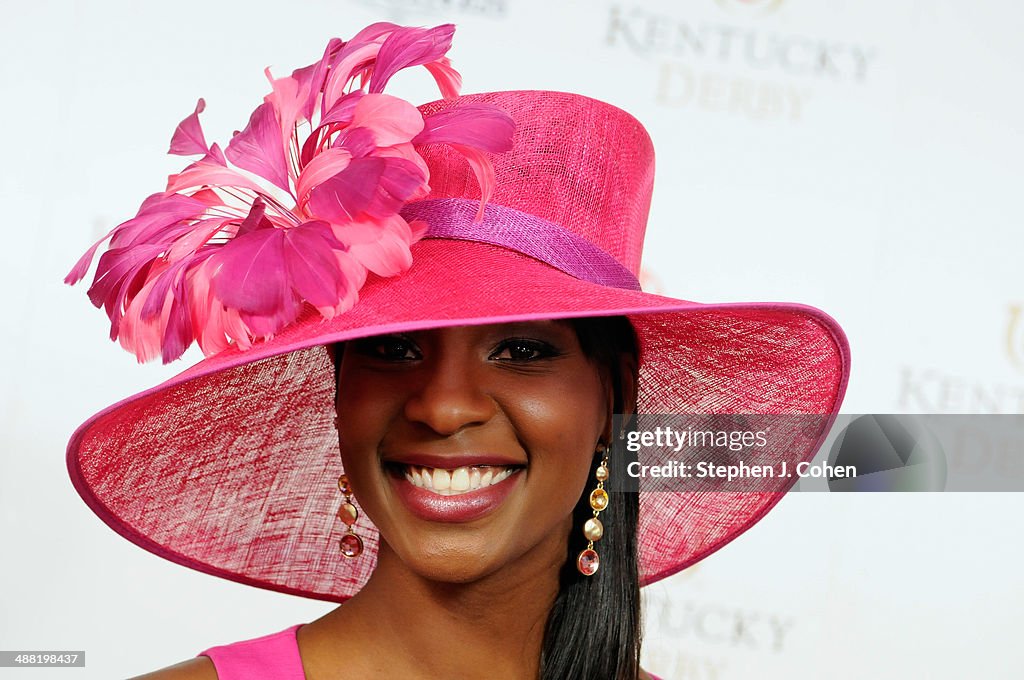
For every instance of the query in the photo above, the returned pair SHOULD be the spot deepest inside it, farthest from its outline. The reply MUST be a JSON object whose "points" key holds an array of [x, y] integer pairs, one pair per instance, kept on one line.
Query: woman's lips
{"points": [[459, 494]]}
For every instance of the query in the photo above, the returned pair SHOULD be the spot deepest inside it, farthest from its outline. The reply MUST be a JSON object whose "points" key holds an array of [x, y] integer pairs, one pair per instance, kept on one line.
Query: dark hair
{"points": [[594, 629]]}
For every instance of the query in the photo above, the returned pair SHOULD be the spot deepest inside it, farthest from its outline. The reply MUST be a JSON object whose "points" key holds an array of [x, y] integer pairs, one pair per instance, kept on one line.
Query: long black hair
{"points": [[594, 628]]}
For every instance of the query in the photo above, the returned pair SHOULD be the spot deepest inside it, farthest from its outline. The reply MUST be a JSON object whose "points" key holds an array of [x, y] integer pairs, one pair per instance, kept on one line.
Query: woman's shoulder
{"points": [[199, 668]]}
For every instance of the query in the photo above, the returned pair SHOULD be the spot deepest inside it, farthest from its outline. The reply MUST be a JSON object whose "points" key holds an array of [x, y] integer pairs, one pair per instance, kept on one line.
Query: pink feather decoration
{"points": [[227, 258], [188, 137], [471, 130]]}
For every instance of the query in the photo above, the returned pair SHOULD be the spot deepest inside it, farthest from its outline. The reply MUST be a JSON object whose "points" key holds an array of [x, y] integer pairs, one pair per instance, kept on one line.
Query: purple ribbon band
{"points": [[527, 234]]}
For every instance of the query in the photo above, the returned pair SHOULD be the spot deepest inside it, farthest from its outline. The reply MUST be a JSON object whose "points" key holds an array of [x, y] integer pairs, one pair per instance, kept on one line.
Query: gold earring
{"points": [[351, 545], [588, 561]]}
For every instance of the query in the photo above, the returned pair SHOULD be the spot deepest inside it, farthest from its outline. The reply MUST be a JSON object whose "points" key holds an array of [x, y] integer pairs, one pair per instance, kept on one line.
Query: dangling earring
{"points": [[351, 545], [588, 560]]}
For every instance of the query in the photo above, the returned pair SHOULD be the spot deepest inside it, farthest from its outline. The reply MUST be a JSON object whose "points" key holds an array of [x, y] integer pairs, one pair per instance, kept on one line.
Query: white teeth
{"points": [[442, 480], [458, 481]]}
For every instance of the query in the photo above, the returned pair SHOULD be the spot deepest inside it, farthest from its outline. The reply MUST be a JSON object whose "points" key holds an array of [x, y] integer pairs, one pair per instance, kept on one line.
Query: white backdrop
{"points": [[862, 157]]}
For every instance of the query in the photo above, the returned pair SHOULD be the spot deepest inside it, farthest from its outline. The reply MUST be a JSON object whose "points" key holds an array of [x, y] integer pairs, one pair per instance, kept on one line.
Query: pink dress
{"points": [[273, 657]]}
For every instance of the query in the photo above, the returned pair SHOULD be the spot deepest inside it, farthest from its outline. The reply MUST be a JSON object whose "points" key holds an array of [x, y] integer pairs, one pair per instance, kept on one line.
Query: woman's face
{"points": [[469, 447]]}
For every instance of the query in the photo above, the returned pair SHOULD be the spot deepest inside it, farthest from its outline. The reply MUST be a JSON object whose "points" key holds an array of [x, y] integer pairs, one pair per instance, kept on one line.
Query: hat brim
{"points": [[230, 467]]}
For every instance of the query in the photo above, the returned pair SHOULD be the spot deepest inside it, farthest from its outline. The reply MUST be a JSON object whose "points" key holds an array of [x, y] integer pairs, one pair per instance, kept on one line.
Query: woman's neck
{"points": [[402, 625]]}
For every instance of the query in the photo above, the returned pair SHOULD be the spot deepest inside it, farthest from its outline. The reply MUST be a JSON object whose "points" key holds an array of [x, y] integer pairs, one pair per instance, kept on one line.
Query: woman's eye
{"points": [[389, 348], [523, 350]]}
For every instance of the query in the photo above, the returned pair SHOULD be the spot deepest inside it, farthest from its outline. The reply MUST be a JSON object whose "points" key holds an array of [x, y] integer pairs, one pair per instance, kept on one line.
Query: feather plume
{"points": [[188, 138], [302, 204]]}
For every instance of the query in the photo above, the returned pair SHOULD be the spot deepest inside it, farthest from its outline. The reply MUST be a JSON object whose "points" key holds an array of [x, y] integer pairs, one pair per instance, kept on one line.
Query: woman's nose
{"points": [[449, 398]]}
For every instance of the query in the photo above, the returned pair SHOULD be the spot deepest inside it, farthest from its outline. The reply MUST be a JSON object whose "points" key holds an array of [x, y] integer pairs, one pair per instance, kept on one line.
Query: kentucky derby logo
{"points": [[1015, 336], [760, 6]]}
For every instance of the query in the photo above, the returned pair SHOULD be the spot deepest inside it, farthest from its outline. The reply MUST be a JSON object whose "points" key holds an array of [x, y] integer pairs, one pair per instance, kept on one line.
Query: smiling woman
{"points": [[420, 324], [470, 449], [519, 403]]}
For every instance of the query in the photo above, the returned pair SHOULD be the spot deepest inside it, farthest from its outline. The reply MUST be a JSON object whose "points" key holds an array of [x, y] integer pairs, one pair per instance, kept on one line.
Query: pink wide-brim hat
{"points": [[231, 467]]}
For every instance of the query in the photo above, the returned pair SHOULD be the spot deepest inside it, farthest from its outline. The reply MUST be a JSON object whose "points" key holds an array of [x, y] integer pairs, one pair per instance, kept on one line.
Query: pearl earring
{"points": [[588, 561]]}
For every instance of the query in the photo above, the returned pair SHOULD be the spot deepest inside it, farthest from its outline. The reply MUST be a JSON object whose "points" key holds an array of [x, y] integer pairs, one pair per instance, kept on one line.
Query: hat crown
{"points": [[577, 162]]}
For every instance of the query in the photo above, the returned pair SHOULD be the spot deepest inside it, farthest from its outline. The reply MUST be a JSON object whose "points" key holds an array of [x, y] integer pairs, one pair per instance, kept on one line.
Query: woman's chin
{"points": [[447, 575], [453, 563], [486, 556]]}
